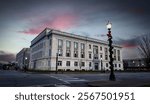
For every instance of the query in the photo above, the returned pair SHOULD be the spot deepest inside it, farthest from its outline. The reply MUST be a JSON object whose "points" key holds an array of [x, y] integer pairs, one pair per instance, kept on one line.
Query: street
{"points": [[12, 78]]}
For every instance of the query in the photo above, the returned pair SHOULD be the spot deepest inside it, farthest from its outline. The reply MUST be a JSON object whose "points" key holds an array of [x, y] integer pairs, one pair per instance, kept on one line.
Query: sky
{"points": [[22, 20]]}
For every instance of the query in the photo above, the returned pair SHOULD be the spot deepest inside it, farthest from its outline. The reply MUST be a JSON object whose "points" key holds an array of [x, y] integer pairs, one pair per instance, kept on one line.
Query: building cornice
{"points": [[48, 32]]}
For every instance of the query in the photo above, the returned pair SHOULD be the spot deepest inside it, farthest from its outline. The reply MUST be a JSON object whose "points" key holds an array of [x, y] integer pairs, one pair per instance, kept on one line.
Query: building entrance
{"points": [[96, 66]]}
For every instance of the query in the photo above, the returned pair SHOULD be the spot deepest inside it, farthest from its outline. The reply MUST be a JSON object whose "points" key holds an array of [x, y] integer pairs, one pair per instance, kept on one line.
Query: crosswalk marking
{"points": [[69, 80]]}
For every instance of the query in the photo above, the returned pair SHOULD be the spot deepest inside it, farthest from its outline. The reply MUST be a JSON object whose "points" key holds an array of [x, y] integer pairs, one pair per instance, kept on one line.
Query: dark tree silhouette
{"points": [[144, 47]]}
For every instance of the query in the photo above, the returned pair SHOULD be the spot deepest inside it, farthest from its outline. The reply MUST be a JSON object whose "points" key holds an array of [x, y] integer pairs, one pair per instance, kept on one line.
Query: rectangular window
{"points": [[115, 65], [89, 46], [119, 65], [75, 45], [68, 44], [75, 49], [82, 50], [67, 63], [68, 53], [90, 64], [101, 55], [68, 48], [60, 47], [118, 55], [106, 64], [95, 52], [60, 52], [59, 63], [75, 53], [95, 56], [101, 48], [60, 43], [82, 63], [90, 56], [82, 55], [106, 54], [75, 63], [82, 46], [95, 49]]}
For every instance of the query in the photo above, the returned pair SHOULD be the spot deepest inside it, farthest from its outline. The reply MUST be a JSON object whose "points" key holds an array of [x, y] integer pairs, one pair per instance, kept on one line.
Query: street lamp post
{"points": [[112, 75], [56, 63]]}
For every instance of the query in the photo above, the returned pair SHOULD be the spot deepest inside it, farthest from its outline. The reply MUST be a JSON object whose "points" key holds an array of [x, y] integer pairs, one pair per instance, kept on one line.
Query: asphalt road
{"points": [[12, 78]]}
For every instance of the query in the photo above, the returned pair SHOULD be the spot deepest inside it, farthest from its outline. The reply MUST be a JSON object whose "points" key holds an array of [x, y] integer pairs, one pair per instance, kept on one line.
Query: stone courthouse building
{"points": [[75, 52]]}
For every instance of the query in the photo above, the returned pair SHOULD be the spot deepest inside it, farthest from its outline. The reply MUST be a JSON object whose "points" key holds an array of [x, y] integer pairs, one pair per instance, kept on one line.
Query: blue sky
{"points": [[22, 20]]}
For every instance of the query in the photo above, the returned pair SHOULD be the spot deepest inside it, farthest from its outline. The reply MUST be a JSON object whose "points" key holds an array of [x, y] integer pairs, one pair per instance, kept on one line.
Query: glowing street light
{"points": [[109, 25]]}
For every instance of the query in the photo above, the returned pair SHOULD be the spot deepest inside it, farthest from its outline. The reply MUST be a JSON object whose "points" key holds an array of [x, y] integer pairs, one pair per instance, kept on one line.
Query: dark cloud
{"points": [[133, 42], [127, 43], [88, 17], [7, 57]]}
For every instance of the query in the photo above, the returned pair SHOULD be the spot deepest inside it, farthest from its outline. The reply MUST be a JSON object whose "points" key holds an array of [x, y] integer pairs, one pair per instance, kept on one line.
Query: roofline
{"points": [[22, 50], [58, 32]]}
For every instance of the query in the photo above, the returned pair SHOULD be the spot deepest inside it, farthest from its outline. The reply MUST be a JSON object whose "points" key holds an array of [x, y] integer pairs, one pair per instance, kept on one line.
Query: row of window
{"points": [[68, 45], [37, 55], [38, 46], [90, 47], [82, 64], [75, 52]]}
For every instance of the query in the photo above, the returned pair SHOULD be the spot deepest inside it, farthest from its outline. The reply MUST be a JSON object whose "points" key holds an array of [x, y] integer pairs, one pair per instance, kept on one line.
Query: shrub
{"points": [[83, 70], [68, 70], [76, 69]]}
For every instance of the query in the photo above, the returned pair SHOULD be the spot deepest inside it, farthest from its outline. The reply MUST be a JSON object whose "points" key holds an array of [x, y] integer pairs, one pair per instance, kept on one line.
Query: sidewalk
{"points": [[123, 83]]}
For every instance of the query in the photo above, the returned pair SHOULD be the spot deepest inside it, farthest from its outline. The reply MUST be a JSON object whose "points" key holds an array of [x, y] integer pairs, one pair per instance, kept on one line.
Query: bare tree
{"points": [[144, 47]]}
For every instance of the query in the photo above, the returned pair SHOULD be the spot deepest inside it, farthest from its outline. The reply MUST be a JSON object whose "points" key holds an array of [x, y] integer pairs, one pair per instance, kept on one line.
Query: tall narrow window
{"points": [[75, 49], [82, 50], [114, 54], [68, 44], [106, 54], [67, 63], [90, 64], [100, 48], [89, 46], [82, 63], [68, 48], [90, 55], [60, 47], [75, 63], [118, 55], [119, 65], [59, 63], [106, 64], [101, 55], [60, 43], [95, 52]]}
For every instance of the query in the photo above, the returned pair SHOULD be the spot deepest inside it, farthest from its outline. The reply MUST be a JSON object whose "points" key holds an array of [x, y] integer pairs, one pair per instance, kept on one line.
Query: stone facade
{"points": [[74, 52], [22, 58]]}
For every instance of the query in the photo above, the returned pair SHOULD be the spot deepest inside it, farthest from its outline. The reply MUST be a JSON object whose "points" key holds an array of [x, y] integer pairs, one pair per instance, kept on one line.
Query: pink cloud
{"points": [[128, 45], [32, 31], [61, 22]]}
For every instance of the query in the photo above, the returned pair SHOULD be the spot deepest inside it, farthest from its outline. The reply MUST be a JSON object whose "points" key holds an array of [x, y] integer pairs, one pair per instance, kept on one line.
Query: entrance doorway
{"points": [[96, 66]]}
